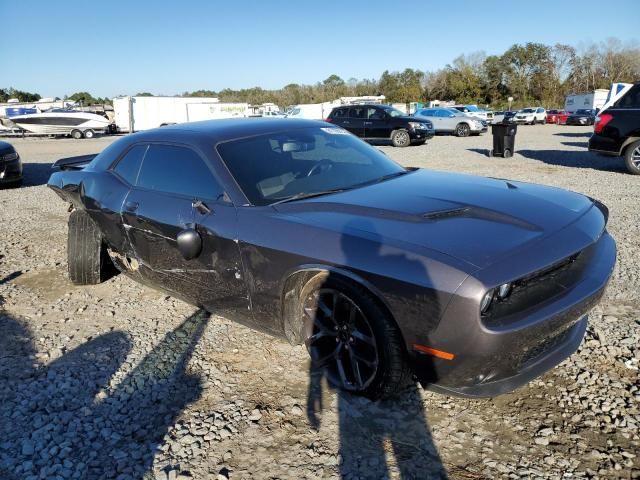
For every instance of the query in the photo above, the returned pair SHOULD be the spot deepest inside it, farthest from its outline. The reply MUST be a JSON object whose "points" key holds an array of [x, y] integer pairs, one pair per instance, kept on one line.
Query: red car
{"points": [[557, 116]]}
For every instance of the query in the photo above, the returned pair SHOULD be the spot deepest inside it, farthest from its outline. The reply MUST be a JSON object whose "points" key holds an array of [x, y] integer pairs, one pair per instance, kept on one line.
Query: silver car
{"points": [[450, 120]]}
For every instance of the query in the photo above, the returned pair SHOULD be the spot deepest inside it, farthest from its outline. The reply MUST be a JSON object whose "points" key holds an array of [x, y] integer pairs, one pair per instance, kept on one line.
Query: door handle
{"points": [[345, 122], [368, 123], [131, 206], [201, 207]]}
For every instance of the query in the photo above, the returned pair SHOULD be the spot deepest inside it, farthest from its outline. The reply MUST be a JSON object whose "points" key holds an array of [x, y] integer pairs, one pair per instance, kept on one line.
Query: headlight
{"points": [[486, 301], [418, 126], [504, 291], [9, 156]]}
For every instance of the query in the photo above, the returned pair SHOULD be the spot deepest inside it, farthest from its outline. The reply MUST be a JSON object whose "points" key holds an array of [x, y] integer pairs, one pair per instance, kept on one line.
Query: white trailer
{"points": [[133, 114], [311, 111], [590, 101]]}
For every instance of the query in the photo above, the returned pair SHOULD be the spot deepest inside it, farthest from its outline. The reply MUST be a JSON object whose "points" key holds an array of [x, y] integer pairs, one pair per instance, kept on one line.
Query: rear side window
{"points": [[340, 113], [129, 165], [358, 112], [174, 169], [631, 99]]}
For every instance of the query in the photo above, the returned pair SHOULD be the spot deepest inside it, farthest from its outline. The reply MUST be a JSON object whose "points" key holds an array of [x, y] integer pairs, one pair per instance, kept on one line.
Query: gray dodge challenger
{"points": [[471, 285]]}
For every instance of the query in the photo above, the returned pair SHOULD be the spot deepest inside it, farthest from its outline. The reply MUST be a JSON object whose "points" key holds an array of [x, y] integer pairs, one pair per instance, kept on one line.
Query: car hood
{"points": [[475, 220], [6, 148]]}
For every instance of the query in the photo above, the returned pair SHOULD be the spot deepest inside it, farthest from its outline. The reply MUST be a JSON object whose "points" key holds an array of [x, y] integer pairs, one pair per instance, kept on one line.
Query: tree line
{"points": [[531, 73]]}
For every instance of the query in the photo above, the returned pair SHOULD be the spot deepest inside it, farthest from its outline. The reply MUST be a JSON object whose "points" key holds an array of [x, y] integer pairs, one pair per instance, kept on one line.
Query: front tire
{"points": [[89, 133], [400, 138], [462, 130], [632, 158], [352, 338], [87, 256]]}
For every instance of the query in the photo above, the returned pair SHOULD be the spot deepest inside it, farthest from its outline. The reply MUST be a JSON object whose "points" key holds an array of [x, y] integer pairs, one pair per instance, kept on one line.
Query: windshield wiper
{"points": [[302, 195]]}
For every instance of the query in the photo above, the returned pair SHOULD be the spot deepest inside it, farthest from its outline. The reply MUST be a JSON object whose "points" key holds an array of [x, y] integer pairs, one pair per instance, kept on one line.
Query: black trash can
{"points": [[504, 139]]}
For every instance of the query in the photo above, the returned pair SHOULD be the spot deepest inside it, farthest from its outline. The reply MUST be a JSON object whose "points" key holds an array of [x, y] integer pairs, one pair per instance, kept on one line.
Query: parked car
{"points": [[531, 115], [617, 130], [500, 117], [474, 111], [10, 166], [582, 117], [450, 120], [301, 229], [559, 117], [382, 122]]}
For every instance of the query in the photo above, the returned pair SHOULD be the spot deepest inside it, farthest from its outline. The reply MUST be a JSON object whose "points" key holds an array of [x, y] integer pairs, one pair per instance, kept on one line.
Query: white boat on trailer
{"points": [[62, 121]]}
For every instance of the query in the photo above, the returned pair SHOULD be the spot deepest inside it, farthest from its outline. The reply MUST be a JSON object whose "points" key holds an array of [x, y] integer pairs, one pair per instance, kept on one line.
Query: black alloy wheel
{"points": [[342, 340]]}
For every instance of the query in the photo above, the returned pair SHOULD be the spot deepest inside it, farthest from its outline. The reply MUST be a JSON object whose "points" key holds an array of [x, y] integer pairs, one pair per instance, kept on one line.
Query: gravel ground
{"points": [[120, 381]]}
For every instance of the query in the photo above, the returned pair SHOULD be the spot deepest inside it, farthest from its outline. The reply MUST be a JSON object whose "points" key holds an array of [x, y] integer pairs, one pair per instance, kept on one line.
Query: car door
{"points": [[175, 191], [340, 117], [377, 124], [355, 122], [447, 120]]}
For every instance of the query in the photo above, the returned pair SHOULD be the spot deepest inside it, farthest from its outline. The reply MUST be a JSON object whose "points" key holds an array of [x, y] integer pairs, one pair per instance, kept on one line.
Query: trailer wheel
{"points": [[77, 134], [89, 133]]}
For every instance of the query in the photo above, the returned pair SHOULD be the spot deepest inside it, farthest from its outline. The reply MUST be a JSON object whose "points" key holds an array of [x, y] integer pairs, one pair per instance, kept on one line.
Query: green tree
{"points": [[85, 98]]}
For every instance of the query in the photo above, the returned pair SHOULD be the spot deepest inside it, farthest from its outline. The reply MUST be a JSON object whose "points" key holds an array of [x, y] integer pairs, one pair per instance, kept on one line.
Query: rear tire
{"points": [[77, 134], [377, 338], [400, 138], [87, 256], [632, 158]]}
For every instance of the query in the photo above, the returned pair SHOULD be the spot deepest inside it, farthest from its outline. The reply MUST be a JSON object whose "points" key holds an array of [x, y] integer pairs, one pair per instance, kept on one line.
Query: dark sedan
{"points": [[10, 166], [300, 229], [582, 117]]}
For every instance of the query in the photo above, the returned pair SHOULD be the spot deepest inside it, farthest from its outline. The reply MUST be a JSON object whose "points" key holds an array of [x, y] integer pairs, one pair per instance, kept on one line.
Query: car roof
{"points": [[226, 129]]}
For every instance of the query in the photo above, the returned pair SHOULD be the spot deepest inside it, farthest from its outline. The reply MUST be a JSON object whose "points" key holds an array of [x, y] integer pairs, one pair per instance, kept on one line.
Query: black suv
{"points": [[617, 130], [382, 122]]}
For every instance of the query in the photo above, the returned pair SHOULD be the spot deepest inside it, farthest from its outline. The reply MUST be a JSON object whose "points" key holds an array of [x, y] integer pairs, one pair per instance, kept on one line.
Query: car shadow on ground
{"points": [[574, 134], [584, 145], [75, 417], [576, 159], [35, 174], [388, 438]]}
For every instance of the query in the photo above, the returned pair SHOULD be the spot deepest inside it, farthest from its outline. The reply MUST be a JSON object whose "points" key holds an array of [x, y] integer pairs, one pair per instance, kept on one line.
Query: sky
{"points": [[115, 47]]}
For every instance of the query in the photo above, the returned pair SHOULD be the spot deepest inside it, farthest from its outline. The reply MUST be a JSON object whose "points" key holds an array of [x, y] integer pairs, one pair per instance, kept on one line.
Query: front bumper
{"points": [[419, 135], [491, 359], [10, 171], [578, 121], [523, 120]]}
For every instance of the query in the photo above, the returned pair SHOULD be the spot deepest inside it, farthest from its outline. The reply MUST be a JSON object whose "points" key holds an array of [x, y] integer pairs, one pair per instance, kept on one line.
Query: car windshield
{"points": [[394, 112], [472, 108], [311, 161], [552, 111], [527, 110]]}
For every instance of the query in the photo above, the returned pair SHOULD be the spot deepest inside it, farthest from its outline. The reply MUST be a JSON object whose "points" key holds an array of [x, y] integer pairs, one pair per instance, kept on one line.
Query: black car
{"points": [[10, 166], [382, 122], [582, 117], [617, 130], [298, 228]]}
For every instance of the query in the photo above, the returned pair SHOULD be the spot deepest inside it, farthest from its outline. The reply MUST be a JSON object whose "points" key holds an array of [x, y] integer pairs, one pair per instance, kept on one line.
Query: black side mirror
{"points": [[189, 243]]}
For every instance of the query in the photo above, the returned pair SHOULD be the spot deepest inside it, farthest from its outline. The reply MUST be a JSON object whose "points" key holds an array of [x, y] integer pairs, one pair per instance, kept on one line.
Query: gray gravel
{"points": [[120, 381]]}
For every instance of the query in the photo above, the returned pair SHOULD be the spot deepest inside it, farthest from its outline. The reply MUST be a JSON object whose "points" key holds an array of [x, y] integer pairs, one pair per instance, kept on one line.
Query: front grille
{"points": [[548, 345], [536, 288]]}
